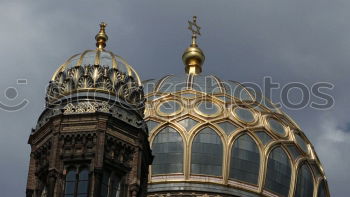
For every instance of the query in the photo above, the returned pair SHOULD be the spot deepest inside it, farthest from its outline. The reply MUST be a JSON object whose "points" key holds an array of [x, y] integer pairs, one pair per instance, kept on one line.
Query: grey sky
{"points": [[244, 40]]}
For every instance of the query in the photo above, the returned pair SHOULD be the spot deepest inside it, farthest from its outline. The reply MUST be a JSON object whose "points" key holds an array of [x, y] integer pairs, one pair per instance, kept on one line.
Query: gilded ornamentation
{"points": [[95, 78], [86, 107]]}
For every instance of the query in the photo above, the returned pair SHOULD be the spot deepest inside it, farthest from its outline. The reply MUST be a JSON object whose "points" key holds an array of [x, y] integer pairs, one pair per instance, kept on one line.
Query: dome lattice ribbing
{"points": [[216, 136], [96, 71]]}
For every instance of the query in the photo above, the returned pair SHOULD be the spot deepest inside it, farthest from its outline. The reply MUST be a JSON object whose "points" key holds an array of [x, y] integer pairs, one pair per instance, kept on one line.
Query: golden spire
{"points": [[193, 57], [101, 38]]}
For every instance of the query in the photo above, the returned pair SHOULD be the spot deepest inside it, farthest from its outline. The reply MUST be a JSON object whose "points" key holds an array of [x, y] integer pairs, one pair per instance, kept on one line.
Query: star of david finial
{"points": [[193, 27]]}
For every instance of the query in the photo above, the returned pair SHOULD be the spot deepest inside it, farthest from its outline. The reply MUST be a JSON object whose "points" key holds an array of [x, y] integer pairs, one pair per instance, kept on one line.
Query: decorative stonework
{"points": [[86, 107], [95, 79]]}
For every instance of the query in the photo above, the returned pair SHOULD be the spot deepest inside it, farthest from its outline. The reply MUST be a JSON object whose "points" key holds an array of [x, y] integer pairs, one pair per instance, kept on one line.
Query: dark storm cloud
{"points": [[302, 40]]}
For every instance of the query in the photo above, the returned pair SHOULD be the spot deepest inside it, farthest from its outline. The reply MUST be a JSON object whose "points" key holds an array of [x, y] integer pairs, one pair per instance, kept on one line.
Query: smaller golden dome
{"points": [[193, 57], [96, 70]]}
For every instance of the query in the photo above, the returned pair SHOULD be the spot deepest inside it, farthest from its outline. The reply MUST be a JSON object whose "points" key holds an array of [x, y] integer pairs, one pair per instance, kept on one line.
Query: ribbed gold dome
{"points": [[213, 136], [96, 70], [217, 138]]}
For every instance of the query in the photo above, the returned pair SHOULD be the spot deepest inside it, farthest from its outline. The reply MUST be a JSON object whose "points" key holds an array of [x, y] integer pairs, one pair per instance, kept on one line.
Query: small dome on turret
{"points": [[96, 71]]}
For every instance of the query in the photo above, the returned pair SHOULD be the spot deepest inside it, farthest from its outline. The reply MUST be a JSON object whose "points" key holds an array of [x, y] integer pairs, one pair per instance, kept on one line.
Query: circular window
{"points": [[207, 108], [276, 127], [244, 114], [169, 108], [301, 142]]}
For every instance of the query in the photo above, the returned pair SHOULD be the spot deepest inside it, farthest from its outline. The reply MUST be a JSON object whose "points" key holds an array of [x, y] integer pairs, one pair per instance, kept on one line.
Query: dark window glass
{"points": [[276, 126], [170, 107], [294, 151], [208, 108], [301, 142], [70, 184], [322, 189], [245, 160], [174, 84], [244, 114], [151, 125], [105, 184], [83, 183], [167, 149], [228, 127], [305, 185], [188, 123], [207, 153], [278, 172], [264, 138], [115, 186], [206, 84]]}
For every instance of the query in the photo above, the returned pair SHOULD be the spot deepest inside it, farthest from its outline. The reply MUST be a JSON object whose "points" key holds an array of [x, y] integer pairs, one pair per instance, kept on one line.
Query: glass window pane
{"points": [[294, 151], [151, 125], [167, 149], [174, 84], [276, 126], [70, 187], [236, 90], [227, 126], [301, 142], [84, 174], [245, 160], [208, 108], [170, 107], [244, 114], [278, 172], [264, 138], [71, 179], [83, 187], [188, 123], [206, 157], [206, 84], [305, 186], [71, 176], [322, 189]]}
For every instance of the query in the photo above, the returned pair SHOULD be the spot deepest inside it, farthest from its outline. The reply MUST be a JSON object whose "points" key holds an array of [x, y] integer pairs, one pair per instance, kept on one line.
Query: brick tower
{"points": [[91, 139]]}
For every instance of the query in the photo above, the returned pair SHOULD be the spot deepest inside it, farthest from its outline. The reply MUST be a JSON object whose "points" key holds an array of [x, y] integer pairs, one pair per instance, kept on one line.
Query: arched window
{"points": [[83, 183], [322, 189], [206, 157], [278, 172], [71, 180], [111, 185], [245, 160], [77, 183], [167, 148], [305, 185]]}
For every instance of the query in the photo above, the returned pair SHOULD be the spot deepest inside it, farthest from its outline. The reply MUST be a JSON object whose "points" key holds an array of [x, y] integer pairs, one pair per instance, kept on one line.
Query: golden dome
{"points": [[216, 137], [207, 133], [96, 70]]}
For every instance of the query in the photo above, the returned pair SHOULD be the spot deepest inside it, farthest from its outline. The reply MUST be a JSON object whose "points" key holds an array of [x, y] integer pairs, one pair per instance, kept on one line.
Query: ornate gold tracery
{"points": [[226, 114]]}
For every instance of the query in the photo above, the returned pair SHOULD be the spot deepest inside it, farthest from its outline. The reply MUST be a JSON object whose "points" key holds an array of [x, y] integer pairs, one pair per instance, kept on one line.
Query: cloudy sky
{"points": [[306, 41]]}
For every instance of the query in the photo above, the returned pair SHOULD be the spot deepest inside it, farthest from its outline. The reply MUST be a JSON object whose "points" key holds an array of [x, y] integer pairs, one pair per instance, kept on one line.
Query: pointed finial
{"points": [[193, 57], [194, 28], [101, 38]]}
